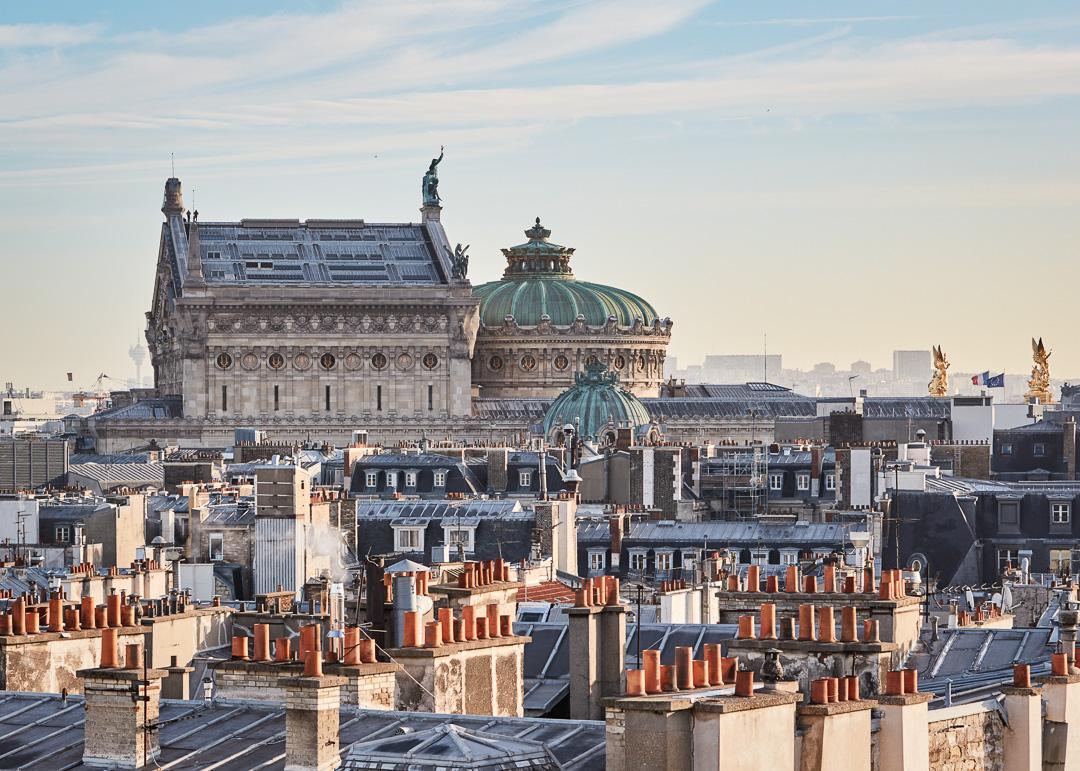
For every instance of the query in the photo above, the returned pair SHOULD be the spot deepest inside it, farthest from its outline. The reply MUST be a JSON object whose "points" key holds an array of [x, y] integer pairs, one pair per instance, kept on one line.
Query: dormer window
{"points": [[525, 479], [410, 479], [391, 480], [371, 479], [803, 481], [439, 479], [409, 539]]}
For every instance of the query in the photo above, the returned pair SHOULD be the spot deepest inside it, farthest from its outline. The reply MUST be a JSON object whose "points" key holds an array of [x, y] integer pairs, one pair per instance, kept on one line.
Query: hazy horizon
{"points": [[847, 183]]}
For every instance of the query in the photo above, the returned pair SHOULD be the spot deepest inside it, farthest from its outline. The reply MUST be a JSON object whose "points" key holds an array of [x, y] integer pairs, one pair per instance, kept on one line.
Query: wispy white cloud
{"points": [[47, 35], [808, 21], [380, 71]]}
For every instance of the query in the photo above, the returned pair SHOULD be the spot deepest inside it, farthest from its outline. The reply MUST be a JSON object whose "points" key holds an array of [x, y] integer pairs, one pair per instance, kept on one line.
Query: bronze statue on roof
{"points": [[430, 185]]}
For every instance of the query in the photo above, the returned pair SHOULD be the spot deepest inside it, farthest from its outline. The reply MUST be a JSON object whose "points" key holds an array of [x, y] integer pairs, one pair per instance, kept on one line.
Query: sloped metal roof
{"points": [[278, 253], [235, 736], [423, 510], [737, 533]]}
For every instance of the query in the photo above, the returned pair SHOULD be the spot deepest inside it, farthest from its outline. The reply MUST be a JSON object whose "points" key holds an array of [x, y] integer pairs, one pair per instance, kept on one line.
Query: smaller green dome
{"points": [[595, 400]]}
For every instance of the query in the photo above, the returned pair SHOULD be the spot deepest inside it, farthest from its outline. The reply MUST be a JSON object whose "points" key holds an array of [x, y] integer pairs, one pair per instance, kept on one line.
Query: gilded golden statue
{"points": [[939, 383], [1039, 383]]}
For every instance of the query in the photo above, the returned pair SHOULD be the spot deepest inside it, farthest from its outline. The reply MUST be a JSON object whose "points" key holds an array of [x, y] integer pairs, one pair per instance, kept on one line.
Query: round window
{"points": [[528, 362], [431, 361], [561, 362], [224, 361], [591, 359], [327, 361], [276, 361], [378, 361], [495, 362], [620, 362]]}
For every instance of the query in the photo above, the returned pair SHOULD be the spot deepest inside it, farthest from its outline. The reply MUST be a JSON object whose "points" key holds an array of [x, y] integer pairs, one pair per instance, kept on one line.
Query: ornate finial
{"points": [[537, 232], [939, 383]]}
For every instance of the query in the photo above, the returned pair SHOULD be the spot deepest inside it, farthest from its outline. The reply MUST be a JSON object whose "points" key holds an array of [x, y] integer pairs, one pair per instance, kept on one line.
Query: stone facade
{"points": [[539, 361], [968, 742], [271, 321], [50, 663], [482, 677]]}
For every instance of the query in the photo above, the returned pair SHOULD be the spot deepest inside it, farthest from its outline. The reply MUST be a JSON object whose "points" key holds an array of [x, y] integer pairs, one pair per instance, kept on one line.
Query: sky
{"points": [[846, 178]]}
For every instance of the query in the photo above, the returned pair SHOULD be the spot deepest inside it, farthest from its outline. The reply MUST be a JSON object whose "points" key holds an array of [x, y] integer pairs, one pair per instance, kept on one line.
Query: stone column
{"points": [[312, 717], [585, 652], [1023, 735], [176, 684], [612, 650], [904, 740], [835, 735], [1061, 736]]}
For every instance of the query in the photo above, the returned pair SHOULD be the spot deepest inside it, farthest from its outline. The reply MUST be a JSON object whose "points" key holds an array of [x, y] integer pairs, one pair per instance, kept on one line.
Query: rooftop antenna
{"points": [[765, 336], [172, 163]]}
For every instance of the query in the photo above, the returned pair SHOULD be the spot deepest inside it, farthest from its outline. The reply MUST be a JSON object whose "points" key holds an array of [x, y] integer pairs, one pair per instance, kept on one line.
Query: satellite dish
{"points": [[996, 599], [970, 598], [1006, 599], [915, 566], [1025, 565], [173, 553]]}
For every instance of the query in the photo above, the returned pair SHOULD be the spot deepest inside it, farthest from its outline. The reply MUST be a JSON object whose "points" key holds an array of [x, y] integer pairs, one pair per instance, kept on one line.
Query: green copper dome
{"points": [[595, 400], [538, 281]]}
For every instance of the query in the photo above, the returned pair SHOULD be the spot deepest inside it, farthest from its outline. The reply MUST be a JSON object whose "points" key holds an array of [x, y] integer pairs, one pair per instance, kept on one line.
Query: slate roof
{"points": [[278, 253], [976, 659], [237, 514], [686, 407], [118, 458], [71, 511], [155, 408], [439, 509], [46, 733], [721, 533], [121, 473]]}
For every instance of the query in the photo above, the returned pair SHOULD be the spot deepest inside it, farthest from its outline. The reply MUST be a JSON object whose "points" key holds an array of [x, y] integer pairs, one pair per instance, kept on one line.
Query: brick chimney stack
{"points": [[121, 707], [312, 719]]}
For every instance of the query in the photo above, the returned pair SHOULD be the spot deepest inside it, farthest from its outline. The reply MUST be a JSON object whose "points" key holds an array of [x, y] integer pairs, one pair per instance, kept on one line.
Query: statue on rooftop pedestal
{"points": [[939, 383], [460, 266], [1039, 383], [430, 186]]}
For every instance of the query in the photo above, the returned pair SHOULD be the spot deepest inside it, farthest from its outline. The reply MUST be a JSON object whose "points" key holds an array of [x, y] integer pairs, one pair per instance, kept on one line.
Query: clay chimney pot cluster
{"points": [[477, 622], [601, 591], [899, 682], [710, 671], [826, 690], [477, 574]]}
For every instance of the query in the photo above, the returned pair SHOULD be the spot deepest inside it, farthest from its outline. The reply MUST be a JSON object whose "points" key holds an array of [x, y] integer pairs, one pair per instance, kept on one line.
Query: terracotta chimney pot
{"points": [[432, 634], [712, 658], [650, 659], [744, 682], [240, 647], [133, 656], [806, 622], [282, 649], [1022, 675], [848, 619], [768, 621], [826, 625], [108, 649], [635, 682]]}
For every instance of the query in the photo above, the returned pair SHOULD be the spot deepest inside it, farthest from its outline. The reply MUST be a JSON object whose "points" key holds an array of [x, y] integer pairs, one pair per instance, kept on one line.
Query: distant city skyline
{"points": [[848, 183]]}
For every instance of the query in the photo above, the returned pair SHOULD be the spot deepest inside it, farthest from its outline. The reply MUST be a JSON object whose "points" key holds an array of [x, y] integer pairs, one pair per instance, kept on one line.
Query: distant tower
{"points": [[138, 355], [174, 198]]}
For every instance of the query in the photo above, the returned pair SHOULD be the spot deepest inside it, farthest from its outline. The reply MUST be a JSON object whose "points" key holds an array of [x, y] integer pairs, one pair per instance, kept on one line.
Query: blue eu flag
{"points": [[995, 381]]}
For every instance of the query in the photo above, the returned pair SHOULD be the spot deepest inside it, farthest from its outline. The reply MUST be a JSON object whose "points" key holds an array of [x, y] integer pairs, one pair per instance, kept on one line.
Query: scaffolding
{"points": [[735, 481]]}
